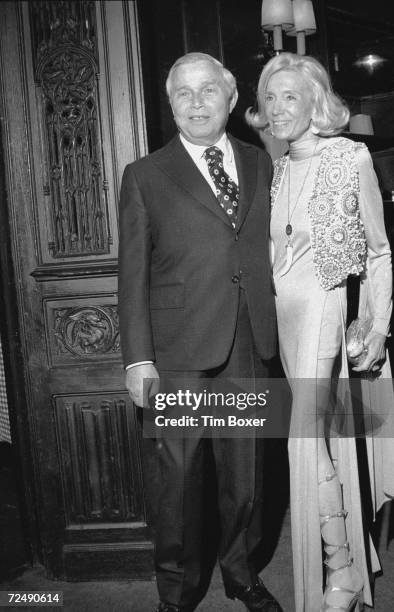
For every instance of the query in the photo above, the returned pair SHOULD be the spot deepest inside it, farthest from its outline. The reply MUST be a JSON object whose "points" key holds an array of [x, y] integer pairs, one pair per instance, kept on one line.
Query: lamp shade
{"points": [[361, 124], [304, 17], [277, 13]]}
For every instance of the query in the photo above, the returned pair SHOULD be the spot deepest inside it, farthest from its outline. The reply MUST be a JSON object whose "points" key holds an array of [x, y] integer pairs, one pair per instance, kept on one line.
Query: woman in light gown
{"points": [[327, 223]]}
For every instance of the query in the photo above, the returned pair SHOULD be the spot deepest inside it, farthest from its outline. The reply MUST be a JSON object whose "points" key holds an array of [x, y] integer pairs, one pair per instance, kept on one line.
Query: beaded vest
{"points": [[339, 247]]}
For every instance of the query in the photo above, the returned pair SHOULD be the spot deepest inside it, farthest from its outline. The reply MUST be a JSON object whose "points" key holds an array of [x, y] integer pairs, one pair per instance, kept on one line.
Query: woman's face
{"points": [[288, 105]]}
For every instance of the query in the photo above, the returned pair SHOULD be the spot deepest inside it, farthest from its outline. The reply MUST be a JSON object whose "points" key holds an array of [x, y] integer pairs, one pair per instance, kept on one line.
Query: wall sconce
{"points": [[277, 15], [361, 124], [304, 23]]}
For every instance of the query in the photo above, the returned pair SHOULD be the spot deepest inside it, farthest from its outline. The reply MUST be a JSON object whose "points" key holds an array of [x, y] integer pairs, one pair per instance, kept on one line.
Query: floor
{"points": [[139, 596]]}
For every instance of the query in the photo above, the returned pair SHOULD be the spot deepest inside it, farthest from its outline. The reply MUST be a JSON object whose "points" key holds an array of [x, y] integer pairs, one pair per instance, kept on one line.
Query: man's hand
{"points": [[138, 391], [375, 355]]}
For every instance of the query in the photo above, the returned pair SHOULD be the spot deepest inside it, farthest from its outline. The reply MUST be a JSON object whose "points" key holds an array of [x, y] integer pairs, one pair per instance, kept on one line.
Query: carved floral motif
{"points": [[64, 50]]}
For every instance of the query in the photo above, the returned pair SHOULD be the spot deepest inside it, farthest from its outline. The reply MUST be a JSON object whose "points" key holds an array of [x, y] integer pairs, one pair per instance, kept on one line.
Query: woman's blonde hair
{"points": [[330, 114]]}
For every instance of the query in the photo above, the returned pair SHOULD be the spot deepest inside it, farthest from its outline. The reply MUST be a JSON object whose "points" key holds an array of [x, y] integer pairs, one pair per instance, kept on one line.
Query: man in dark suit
{"points": [[196, 301]]}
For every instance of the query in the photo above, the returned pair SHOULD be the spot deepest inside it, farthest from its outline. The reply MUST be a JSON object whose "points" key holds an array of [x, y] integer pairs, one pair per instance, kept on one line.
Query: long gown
{"points": [[311, 326]]}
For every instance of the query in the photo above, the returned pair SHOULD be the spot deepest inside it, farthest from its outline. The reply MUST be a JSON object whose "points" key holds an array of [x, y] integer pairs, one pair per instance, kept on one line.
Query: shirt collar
{"points": [[197, 151]]}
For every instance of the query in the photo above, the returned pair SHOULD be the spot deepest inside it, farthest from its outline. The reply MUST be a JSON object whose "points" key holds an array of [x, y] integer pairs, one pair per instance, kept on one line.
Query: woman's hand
{"points": [[375, 356]]}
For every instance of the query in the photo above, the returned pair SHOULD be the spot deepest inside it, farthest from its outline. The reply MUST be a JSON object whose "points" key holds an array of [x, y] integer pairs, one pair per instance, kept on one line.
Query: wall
{"points": [[381, 108]]}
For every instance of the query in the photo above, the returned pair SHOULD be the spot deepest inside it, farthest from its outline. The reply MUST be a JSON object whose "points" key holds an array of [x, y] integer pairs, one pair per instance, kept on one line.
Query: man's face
{"points": [[200, 102]]}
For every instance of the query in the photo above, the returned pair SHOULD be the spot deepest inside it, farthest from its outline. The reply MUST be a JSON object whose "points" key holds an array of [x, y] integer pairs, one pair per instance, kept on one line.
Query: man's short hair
{"points": [[195, 57]]}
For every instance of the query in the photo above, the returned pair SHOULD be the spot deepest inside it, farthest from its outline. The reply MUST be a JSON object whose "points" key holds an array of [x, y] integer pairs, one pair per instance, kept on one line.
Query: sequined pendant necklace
{"points": [[289, 227]]}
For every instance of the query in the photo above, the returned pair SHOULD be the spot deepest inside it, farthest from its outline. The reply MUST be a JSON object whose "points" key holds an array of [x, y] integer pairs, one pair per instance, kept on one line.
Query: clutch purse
{"points": [[355, 336]]}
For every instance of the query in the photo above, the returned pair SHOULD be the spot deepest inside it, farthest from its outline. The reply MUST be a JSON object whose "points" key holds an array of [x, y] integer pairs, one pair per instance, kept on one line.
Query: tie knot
{"points": [[213, 155]]}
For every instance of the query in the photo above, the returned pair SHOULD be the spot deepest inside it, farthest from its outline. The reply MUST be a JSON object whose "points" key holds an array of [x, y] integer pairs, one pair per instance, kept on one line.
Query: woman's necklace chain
{"points": [[289, 227]]}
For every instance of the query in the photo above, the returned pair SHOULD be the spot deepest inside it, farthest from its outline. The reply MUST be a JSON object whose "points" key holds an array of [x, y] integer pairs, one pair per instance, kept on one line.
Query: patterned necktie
{"points": [[227, 192]]}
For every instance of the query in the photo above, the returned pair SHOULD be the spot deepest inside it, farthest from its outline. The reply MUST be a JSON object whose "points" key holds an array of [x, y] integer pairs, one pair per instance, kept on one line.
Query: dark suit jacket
{"points": [[181, 263]]}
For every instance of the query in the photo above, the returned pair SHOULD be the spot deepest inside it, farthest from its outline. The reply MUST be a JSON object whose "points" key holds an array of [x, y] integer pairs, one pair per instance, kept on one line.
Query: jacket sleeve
{"points": [[378, 289], [135, 249]]}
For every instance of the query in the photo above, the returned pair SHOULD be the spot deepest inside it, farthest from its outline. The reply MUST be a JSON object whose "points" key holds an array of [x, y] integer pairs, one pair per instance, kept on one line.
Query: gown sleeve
{"points": [[379, 270]]}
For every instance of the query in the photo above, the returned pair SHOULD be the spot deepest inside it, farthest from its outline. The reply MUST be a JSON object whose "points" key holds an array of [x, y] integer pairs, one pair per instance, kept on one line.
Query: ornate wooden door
{"points": [[73, 116]]}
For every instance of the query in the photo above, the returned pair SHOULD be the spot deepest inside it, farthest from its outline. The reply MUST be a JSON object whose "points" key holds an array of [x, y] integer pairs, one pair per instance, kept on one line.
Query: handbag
{"points": [[355, 335]]}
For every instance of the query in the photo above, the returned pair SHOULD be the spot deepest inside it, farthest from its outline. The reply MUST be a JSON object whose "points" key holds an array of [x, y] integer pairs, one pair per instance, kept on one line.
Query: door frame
{"points": [[21, 450]]}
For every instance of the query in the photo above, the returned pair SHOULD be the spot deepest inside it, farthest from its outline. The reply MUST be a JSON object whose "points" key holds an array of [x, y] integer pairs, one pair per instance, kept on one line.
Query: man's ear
{"points": [[233, 100]]}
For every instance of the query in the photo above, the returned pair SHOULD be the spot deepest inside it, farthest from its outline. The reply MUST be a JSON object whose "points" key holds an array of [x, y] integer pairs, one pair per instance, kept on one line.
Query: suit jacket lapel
{"points": [[246, 162], [179, 166]]}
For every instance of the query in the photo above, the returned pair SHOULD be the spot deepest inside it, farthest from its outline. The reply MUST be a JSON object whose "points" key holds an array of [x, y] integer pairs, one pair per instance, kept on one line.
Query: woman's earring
{"points": [[314, 129]]}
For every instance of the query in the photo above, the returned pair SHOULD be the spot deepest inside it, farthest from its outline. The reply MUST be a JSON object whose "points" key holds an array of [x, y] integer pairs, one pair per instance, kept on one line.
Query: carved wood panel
{"points": [[82, 329], [72, 116], [99, 457], [65, 69]]}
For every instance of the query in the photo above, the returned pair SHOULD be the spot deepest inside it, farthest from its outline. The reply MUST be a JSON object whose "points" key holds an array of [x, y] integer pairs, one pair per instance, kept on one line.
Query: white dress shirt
{"points": [[196, 152]]}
